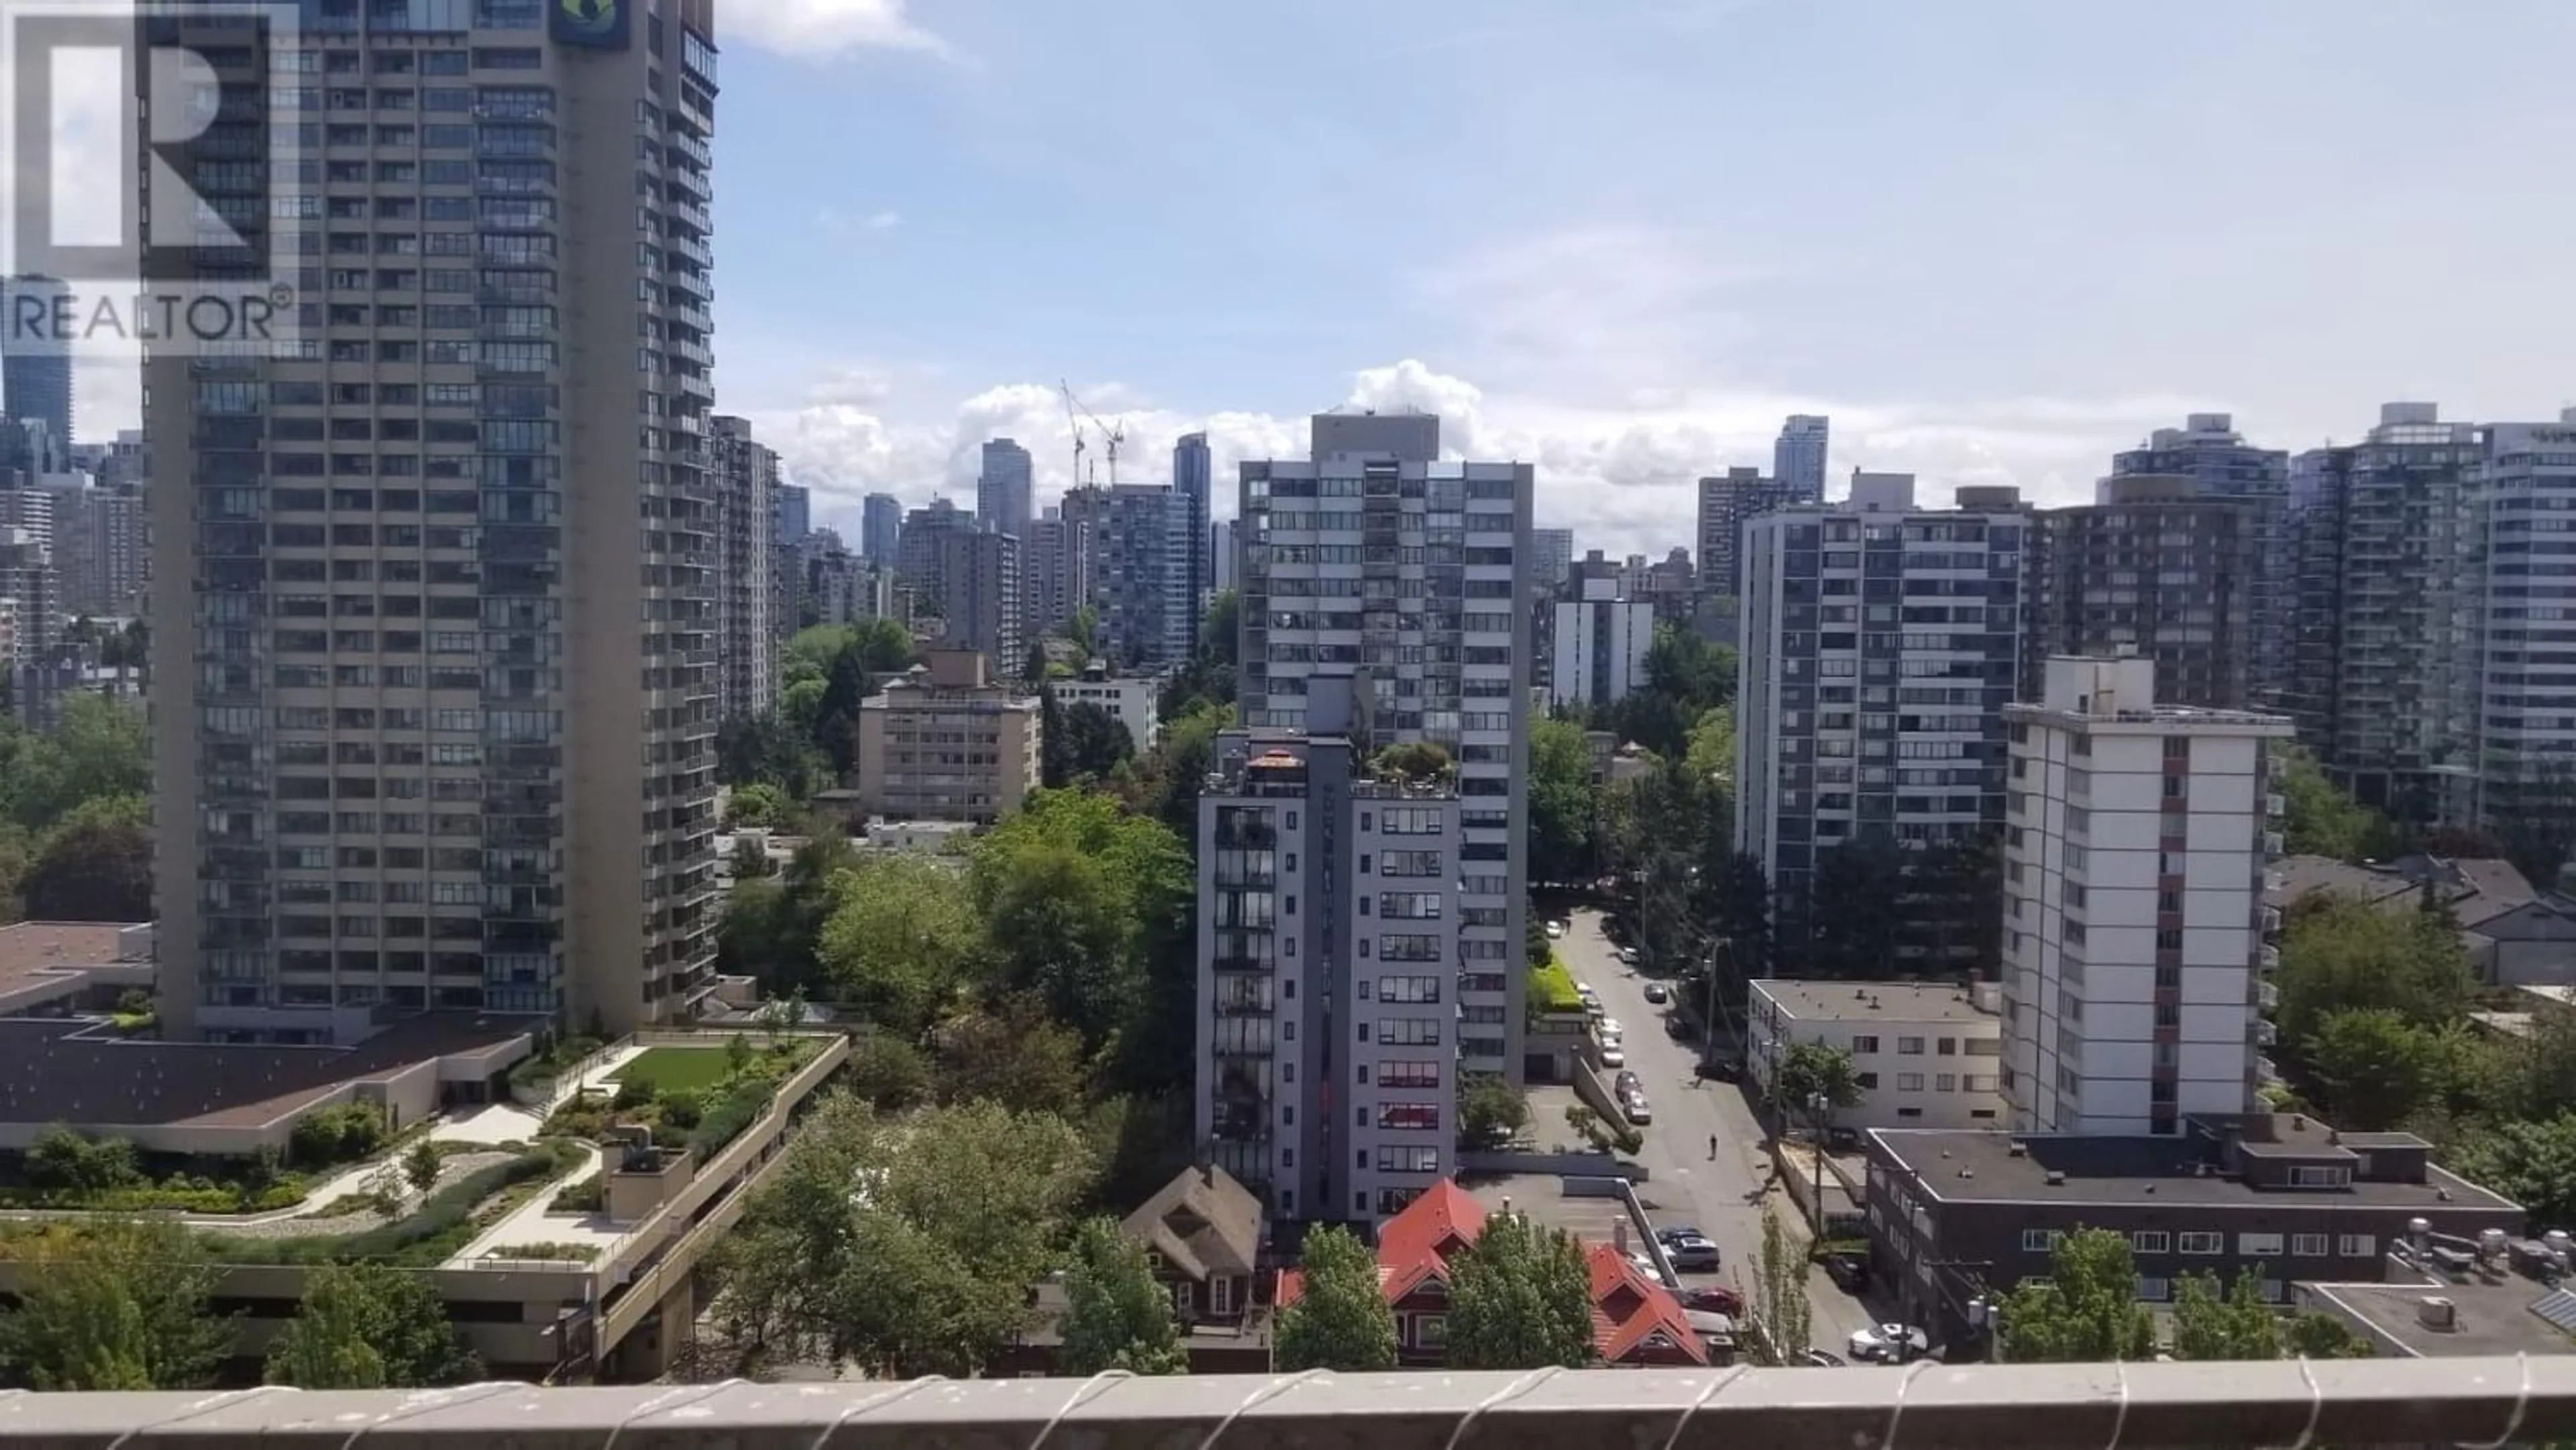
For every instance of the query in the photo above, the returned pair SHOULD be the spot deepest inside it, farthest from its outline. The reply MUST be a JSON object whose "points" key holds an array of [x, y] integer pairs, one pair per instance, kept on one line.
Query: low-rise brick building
{"points": [[1955, 1214]]}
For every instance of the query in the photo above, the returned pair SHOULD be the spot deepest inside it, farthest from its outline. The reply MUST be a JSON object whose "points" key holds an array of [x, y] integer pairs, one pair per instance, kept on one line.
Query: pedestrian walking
{"points": [[1712, 1147]]}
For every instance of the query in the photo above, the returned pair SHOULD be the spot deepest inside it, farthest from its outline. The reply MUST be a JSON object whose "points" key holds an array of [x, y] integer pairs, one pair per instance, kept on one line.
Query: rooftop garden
{"points": [[1551, 987], [693, 1098]]}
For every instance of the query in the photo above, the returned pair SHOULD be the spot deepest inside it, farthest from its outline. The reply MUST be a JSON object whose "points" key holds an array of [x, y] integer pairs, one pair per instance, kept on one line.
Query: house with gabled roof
{"points": [[1202, 1234], [1635, 1320]]}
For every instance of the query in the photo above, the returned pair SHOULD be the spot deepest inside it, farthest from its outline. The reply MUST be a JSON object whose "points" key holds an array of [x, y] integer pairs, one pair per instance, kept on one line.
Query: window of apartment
{"points": [[1948, 1047], [1405, 989], [2202, 1243], [1945, 1082], [2258, 1245], [1864, 1046], [2356, 1246], [2320, 1177], [1909, 1047], [1868, 1081], [1909, 1082], [2308, 1246], [2154, 1289], [2150, 1241], [2039, 1240], [1407, 1159]]}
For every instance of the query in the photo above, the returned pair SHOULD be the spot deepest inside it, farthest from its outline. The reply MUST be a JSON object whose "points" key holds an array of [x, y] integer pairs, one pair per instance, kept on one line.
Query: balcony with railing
{"points": [[2493, 1401]]}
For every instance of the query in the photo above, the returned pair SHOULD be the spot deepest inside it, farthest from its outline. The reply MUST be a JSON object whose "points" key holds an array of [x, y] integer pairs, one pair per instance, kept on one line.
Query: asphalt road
{"points": [[1723, 1196]]}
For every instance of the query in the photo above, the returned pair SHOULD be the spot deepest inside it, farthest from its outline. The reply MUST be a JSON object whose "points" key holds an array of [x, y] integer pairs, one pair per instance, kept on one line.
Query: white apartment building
{"points": [[2135, 845], [1928, 1054], [1601, 644], [1133, 700], [2521, 681], [432, 617], [1379, 560]]}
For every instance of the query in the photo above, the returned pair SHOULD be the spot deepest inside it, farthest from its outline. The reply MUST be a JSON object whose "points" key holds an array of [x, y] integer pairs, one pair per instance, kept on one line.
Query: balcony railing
{"points": [[2477, 1401]]}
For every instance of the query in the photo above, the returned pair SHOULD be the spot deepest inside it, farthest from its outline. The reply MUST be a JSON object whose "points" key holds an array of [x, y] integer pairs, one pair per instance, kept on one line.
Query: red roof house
{"points": [[1635, 1320]]}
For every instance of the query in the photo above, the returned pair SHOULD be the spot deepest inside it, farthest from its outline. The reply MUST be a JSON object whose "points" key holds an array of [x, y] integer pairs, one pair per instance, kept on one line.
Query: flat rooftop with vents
{"points": [[231, 1099]]}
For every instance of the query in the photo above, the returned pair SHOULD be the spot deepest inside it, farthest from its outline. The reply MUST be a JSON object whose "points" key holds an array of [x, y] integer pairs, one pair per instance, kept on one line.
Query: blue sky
{"points": [[1995, 239]]}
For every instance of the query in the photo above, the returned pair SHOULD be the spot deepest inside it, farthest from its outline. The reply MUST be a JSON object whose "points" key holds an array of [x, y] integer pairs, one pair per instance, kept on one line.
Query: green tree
{"points": [[1780, 1305], [907, 1244], [888, 1073], [1340, 1320], [100, 748], [836, 715], [2339, 953], [2322, 1336], [367, 1327], [1082, 903], [1562, 803], [1012, 1054], [902, 939], [2377, 1068], [1520, 1297], [2234, 1324], [2532, 1163], [1490, 1110], [420, 1166], [750, 859], [61, 1161], [113, 1305], [92, 870], [760, 805], [2086, 1309], [1854, 909], [1812, 1070], [2322, 820], [1089, 744], [1117, 1316], [771, 927]]}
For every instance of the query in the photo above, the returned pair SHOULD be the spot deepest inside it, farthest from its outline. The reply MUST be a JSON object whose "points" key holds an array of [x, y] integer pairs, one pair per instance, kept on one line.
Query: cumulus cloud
{"points": [[828, 29], [1624, 479]]}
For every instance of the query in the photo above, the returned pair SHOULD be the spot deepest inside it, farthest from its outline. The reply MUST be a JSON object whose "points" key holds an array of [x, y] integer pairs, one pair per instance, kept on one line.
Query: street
{"points": [[1724, 1197]]}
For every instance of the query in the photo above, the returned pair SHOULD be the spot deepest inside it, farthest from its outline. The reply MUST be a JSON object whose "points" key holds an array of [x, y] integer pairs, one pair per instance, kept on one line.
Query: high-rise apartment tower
{"points": [[438, 711]]}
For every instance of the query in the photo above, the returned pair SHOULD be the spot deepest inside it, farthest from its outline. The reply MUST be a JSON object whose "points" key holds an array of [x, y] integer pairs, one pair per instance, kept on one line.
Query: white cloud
{"points": [[1624, 479], [883, 221], [829, 29]]}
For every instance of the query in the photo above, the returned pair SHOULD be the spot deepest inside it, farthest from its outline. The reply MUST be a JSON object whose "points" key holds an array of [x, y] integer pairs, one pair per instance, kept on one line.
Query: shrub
{"points": [[442, 1224], [63, 1162], [682, 1110], [725, 1121], [337, 1134], [588, 1196], [632, 1093]]}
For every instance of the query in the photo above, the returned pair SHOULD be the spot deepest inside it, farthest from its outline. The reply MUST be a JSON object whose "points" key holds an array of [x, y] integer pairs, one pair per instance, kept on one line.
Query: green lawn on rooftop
{"points": [[1551, 987], [680, 1069]]}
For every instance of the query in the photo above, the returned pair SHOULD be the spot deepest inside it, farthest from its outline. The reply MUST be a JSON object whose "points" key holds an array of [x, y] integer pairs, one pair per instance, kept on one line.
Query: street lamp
{"points": [[1816, 1107]]}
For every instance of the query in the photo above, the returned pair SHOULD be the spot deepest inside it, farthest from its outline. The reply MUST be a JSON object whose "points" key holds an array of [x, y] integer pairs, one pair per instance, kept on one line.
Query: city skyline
{"points": [[1628, 329]]}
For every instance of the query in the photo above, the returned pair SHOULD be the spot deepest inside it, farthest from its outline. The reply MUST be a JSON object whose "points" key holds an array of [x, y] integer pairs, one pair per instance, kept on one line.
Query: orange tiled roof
{"points": [[1649, 1307]]}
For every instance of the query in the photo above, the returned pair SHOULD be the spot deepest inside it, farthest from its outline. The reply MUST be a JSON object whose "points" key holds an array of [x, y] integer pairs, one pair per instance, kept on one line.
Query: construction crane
{"points": [[1112, 435], [1073, 419]]}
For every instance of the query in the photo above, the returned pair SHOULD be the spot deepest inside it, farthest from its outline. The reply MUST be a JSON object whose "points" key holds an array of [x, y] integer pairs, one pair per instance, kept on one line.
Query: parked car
{"points": [[1639, 1111], [1657, 992], [1555, 930], [1715, 1299], [1888, 1343], [1628, 955], [1613, 1055], [1850, 1272], [1691, 1253], [1608, 1028], [1627, 1083]]}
